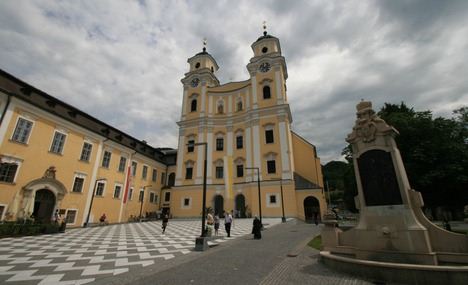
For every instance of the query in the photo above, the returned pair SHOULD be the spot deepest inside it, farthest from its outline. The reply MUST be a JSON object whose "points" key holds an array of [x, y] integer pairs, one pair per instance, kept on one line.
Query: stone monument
{"points": [[392, 228]]}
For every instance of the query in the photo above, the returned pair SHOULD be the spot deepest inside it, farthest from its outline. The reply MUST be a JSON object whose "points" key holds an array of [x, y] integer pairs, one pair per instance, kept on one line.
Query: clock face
{"points": [[195, 82], [264, 67]]}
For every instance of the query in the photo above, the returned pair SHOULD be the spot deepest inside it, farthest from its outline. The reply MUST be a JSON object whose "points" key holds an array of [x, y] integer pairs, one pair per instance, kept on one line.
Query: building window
{"points": [[8, 172], [190, 145], [163, 178], [271, 165], [100, 189], [272, 199], [130, 194], [219, 144], [22, 130], [167, 197], [239, 106], [188, 172], [58, 142], [154, 177], [240, 170], [141, 196], [239, 142], [219, 172], [86, 151], [71, 217], [123, 161], [266, 92], [134, 168], [193, 105], [106, 159], [144, 173], [186, 202], [269, 136], [117, 191], [78, 184], [152, 197]]}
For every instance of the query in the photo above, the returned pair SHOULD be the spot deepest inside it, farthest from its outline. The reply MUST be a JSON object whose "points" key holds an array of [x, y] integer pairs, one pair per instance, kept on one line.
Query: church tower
{"points": [[246, 126]]}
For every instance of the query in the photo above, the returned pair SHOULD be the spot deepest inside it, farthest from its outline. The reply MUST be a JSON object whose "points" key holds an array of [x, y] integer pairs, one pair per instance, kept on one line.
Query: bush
{"points": [[12, 229]]}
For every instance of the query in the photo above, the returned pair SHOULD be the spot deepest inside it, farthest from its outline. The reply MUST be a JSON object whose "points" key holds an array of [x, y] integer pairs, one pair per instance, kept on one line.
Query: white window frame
{"points": [[103, 190], [125, 164], [66, 214], [182, 203], [64, 141], [90, 153], [120, 193], [133, 170], [154, 175], [16, 125], [140, 197], [79, 175], [103, 156], [155, 197], [130, 194], [272, 205], [144, 175], [11, 159], [5, 209]]}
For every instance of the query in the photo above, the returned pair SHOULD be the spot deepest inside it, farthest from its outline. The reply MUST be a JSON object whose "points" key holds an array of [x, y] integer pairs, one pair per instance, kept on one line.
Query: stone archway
{"points": [[23, 205], [218, 202], [240, 206], [311, 209]]}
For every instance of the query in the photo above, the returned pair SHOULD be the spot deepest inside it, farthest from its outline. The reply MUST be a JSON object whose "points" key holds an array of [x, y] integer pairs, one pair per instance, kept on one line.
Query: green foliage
{"points": [[316, 242], [11, 229]]}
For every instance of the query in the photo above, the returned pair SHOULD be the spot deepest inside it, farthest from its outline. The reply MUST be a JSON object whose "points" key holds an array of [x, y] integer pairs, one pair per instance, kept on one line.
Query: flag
{"points": [[228, 178], [127, 185]]}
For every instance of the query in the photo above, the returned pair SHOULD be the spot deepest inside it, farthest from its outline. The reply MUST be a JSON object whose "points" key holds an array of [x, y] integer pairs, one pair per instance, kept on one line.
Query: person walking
{"points": [[227, 223], [216, 224], [257, 228], [165, 220]]}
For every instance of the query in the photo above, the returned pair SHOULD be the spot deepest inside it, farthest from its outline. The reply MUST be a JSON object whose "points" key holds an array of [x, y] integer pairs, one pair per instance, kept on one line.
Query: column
{"points": [[209, 140], [180, 158], [248, 161], [203, 100], [200, 156], [92, 182], [279, 89], [284, 146], [254, 92], [256, 146], [184, 104]]}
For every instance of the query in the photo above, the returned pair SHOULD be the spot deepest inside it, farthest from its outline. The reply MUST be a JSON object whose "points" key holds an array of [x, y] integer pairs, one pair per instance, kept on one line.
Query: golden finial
{"points": [[204, 44], [264, 28]]}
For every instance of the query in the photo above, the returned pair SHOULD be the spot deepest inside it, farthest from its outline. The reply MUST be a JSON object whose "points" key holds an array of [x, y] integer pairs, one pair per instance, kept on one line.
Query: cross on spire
{"points": [[264, 28], [204, 44]]}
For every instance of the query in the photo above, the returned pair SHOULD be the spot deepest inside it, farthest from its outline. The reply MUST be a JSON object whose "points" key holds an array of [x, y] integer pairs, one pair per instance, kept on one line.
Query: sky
{"points": [[122, 61]]}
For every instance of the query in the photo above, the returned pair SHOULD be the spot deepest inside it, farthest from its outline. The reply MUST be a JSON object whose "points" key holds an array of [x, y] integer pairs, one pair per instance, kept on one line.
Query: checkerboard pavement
{"points": [[81, 256]]}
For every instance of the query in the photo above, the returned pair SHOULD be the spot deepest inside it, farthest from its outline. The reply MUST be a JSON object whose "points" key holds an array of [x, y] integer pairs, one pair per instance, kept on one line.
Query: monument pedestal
{"points": [[201, 243]]}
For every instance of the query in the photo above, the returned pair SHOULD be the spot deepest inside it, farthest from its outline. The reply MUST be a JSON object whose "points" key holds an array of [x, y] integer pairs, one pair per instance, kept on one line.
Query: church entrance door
{"points": [[311, 209], [44, 204]]}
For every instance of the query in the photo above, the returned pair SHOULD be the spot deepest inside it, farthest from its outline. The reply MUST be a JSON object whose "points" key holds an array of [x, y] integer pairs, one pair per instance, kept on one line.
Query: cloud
{"points": [[122, 61]]}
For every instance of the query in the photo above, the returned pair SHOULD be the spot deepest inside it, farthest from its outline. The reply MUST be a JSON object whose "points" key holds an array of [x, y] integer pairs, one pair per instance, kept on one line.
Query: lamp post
{"points": [[142, 198], [259, 194], [91, 203], [204, 186], [283, 218]]}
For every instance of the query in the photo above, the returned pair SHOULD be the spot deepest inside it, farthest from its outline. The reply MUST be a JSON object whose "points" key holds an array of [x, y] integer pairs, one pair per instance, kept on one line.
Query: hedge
{"points": [[13, 229]]}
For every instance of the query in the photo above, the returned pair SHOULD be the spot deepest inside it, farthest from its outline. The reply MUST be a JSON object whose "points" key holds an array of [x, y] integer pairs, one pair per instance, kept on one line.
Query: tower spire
{"points": [[264, 28], [204, 44]]}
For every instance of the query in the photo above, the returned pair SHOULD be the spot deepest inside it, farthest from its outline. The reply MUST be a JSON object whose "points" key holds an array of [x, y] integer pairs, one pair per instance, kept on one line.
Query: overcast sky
{"points": [[122, 61]]}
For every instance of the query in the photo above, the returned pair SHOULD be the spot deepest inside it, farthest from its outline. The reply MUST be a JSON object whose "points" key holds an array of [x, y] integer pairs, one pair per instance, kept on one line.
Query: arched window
{"points": [[193, 105], [266, 92]]}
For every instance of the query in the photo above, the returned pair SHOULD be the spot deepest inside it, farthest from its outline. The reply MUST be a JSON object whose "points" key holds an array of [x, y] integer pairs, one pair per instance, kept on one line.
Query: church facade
{"points": [[55, 157]]}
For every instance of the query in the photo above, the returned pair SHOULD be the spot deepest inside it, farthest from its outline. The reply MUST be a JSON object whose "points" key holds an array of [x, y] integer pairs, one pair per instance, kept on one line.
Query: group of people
{"points": [[214, 221]]}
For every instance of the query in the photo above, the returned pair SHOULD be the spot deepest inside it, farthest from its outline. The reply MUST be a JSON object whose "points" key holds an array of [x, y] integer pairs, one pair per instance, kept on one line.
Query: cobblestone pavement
{"points": [[82, 256]]}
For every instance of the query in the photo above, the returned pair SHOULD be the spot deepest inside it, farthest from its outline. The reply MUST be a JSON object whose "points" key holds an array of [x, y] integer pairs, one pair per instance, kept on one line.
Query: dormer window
{"points": [[266, 92], [264, 50], [197, 65], [193, 105]]}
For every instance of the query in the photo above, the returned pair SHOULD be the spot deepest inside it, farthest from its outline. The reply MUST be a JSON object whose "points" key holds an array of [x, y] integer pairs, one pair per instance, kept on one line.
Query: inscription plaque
{"points": [[378, 179]]}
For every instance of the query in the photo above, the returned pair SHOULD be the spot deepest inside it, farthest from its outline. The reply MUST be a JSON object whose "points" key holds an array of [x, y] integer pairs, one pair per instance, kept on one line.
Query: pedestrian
{"points": [[56, 216], [227, 223], [216, 224], [165, 220], [102, 219], [257, 228]]}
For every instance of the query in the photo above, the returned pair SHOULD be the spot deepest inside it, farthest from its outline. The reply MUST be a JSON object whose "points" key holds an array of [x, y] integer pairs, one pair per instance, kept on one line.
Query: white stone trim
{"points": [[254, 92], [272, 205], [122, 189], [64, 142], [180, 159], [6, 121], [76, 215], [256, 150], [279, 93], [209, 140], [182, 204], [79, 175], [184, 104], [248, 144], [12, 159], [93, 178], [284, 149], [27, 118], [229, 143], [203, 101]]}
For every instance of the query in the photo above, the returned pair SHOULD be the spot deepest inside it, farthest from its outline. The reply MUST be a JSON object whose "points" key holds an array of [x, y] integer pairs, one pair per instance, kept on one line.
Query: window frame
{"points": [[219, 144], [66, 216], [144, 172], [78, 176], [241, 167], [120, 191], [103, 188], [167, 196], [8, 171], [187, 172], [154, 175], [105, 163], [193, 103], [134, 168], [121, 168], [219, 170], [241, 145], [269, 161], [62, 146], [264, 92], [26, 142], [89, 152], [267, 136]]}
